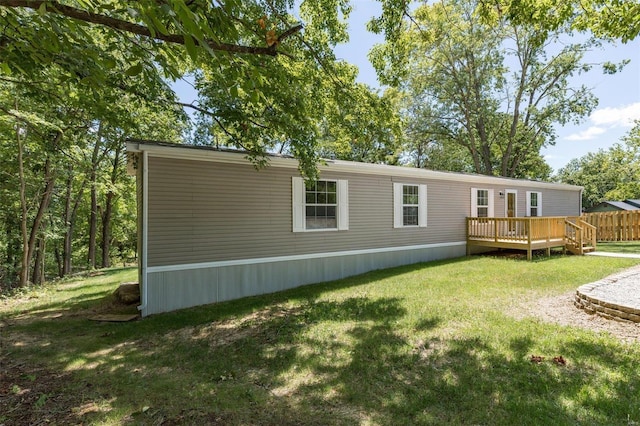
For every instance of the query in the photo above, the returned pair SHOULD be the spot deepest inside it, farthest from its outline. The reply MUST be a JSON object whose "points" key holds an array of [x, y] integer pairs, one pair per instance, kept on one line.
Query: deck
{"points": [[531, 233]]}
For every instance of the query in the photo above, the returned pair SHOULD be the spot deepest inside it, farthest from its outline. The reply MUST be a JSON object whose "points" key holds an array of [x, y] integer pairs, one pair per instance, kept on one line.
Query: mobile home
{"points": [[213, 228]]}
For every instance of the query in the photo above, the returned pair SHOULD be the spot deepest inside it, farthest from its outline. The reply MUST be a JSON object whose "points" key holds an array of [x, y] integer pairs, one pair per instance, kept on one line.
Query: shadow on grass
{"points": [[279, 371], [521, 255], [619, 247], [295, 358]]}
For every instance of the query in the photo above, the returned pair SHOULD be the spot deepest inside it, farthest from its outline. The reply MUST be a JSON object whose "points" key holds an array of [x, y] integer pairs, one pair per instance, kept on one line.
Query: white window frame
{"points": [[539, 201], [398, 205], [474, 202], [298, 192]]}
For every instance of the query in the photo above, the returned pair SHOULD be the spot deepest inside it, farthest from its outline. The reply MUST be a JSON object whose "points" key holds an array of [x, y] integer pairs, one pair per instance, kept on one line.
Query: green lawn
{"points": [[425, 344], [620, 247]]}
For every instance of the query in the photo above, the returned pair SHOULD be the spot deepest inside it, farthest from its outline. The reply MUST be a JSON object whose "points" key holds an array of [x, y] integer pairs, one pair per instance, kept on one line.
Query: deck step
{"points": [[576, 250]]}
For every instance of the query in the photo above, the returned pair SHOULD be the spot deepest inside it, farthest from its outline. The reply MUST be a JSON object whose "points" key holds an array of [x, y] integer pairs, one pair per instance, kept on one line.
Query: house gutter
{"points": [[143, 254]]}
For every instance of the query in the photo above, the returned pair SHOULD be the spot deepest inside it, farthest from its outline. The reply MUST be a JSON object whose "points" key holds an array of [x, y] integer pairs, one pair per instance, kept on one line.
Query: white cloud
{"points": [[605, 119], [620, 116], [586, 135]]}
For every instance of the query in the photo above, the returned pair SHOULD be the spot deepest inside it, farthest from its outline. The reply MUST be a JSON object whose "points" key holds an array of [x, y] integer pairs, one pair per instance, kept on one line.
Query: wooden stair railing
{"points": [[580, 237], [589, 237], [573, 237]]}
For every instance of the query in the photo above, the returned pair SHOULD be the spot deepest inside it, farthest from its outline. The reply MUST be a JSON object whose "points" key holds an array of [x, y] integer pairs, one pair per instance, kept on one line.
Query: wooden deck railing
{"points": [[516, 229], [530, 233]]}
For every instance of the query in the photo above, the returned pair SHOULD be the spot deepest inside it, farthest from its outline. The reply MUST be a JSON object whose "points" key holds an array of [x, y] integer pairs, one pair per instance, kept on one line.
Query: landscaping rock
{"points": [[128, 293], [616, 297]]}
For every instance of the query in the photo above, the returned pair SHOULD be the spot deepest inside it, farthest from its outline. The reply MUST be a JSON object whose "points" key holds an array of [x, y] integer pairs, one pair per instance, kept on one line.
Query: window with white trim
{"points": [[321, 202], [481, 202], [320, 205], [409, 205], [534, 203]]}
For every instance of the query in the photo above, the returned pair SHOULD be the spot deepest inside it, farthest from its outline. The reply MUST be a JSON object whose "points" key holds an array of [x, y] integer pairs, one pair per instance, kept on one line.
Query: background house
{"points": [[612, 206], [213, 228]]}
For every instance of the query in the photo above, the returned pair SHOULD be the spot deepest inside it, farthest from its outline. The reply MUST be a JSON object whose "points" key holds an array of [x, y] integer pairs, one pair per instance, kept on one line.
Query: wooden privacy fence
{"points": [[615, 226]]}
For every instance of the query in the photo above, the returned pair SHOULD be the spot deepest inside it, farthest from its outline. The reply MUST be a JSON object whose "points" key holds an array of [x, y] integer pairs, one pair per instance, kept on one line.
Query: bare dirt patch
{"points": [[561, 310], [33, 396]]}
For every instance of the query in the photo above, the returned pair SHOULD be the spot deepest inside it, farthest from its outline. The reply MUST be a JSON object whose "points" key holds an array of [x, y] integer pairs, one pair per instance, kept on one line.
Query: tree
{"points": [[617, 19], [492, 90], [55, 144], [363, 127], [240, 50], [325, 112], [88, 75], [612, 174]]}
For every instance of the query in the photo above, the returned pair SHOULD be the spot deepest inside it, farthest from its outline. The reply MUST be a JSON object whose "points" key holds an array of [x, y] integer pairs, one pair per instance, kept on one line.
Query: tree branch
{"points": [[141, 30], [212, 115]]}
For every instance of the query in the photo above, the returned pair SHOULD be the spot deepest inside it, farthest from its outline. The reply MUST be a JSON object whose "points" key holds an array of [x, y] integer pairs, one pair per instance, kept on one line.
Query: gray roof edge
{"points": [[204, 153]]}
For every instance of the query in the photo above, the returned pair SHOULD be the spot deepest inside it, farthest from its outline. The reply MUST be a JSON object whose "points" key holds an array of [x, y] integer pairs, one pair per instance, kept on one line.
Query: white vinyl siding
{"points": [[534, 203], [409, 205], [481, 202], [321, 206]]}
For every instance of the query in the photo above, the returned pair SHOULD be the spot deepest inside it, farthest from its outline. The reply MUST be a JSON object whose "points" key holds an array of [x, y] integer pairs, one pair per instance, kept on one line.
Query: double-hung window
{"points": [[320, 205], [410, 205], [534, 203], [321, 202], [481, 202]]}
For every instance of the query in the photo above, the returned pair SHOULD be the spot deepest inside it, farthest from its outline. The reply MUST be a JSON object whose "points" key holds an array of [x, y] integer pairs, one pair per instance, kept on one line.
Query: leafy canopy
{"points": [[612, 174], [265, 69], [490, 94]]}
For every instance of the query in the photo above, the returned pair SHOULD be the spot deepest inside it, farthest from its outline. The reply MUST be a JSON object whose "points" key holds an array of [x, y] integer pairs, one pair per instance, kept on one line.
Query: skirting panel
{"points": [[183, 288]]}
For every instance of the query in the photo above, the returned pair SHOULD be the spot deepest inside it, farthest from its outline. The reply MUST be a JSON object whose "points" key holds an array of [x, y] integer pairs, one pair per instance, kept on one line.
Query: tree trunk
{"points": [[45, 200], [38, 262], [9, 253], [71, 213], [66, 245], [24, 264], [106, 230], [29, 238], [93, 218], [108, 209], [59, 260]]}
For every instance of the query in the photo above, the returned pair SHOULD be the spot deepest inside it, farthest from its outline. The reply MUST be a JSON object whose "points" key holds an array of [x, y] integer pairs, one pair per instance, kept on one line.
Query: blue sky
{"points": [[619, 94]]}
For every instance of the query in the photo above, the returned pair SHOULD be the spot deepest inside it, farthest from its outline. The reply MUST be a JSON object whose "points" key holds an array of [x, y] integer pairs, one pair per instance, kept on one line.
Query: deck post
{"points": [[528, 238], [467, 232]]}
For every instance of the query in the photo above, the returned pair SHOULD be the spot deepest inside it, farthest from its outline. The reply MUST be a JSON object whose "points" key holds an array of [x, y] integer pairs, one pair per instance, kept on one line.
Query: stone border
{"points": [[597, 304]]}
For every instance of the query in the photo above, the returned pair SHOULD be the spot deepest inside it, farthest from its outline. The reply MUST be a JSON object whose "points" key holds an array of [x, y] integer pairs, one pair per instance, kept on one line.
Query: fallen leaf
{"points": [[537, 359]]}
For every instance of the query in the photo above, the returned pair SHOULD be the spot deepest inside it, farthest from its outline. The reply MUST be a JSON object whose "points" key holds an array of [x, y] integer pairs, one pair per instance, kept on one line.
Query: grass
{"points": [[620, 247], [424, 344]]}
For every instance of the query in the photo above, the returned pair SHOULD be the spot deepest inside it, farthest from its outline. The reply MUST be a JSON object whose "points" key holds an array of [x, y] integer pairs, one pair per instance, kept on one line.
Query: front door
{"points": [[511, 208], [511, 203]]}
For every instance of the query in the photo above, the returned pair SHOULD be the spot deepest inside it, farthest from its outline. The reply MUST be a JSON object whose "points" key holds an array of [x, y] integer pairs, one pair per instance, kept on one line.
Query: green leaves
{"points": [[486, 93], [134, 70], [612, 174], [607, 19]]}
